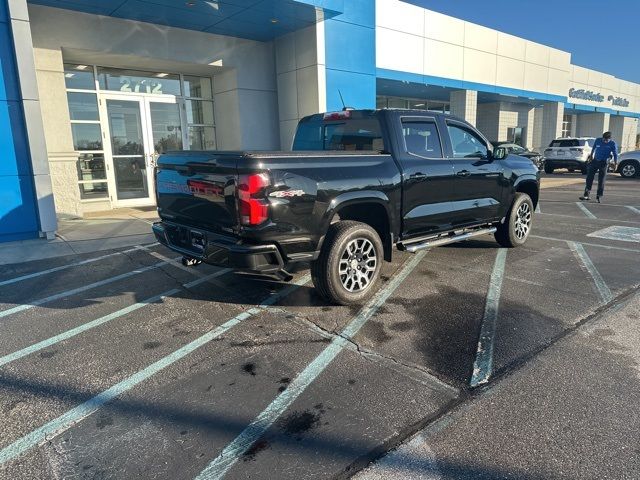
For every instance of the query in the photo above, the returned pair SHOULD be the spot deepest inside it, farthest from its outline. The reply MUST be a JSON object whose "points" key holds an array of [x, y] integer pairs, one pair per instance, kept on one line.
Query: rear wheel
{"points": [[548, 168], [517, 224], [349, 264], [628, 169]]}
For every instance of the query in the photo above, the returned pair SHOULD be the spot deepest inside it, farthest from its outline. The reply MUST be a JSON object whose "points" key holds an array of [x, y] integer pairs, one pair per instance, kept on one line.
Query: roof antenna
{"points": [[344, 107]]}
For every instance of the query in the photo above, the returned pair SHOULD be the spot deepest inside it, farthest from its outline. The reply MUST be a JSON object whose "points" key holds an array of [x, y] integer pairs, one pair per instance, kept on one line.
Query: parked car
{"points": [[629, 164], [569, 153], [358, 184], [535, 157]]}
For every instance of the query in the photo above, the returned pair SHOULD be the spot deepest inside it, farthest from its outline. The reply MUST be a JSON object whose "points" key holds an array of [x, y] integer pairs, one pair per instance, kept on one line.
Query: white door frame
{"points": [[144, 101]]}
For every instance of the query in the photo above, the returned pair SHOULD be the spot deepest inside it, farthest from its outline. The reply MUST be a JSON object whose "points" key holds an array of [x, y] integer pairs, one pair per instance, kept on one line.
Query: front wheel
{"points": [[517, 224], [349, 264], [548, 168]]}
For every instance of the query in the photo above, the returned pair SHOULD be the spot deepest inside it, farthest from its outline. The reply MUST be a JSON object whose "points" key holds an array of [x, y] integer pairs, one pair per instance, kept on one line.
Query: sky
{"points": [[600, 34]]}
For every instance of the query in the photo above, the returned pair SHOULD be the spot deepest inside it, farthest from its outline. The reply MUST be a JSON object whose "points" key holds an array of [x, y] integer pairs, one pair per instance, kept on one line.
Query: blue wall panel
{"points": [[18, 214], [350, 56]]}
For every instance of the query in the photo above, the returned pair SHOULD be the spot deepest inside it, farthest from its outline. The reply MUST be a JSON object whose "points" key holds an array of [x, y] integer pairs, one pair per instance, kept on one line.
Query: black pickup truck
{"points": [[357, 184]]}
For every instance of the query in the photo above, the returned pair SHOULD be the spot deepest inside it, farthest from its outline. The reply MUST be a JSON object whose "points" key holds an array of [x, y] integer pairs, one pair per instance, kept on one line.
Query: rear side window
{"points": [[421, 138], [565, 143], [363, 133]]}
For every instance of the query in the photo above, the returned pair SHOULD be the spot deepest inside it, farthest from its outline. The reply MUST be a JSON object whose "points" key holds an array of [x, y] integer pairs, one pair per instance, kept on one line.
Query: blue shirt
{"points": [[603, 150]]}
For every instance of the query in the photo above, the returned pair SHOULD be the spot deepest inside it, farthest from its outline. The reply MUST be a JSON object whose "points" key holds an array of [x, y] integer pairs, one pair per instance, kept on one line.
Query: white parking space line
{"points": [[538, 209], [176, 263], [71, 265], [77, 414], [232, 452], [601, 286], [610, 247], [483, 364], [594, 218], [633, 209], [84, 288], [12, 357], [585, 210]]}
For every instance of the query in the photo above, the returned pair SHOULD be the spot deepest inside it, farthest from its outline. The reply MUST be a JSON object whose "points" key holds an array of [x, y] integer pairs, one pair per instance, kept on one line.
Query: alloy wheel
{"points": [[358, 265], [629, 170], [523, 221]]}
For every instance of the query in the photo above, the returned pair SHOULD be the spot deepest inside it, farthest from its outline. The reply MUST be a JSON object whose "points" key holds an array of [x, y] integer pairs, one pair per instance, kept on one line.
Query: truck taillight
{"points": [[252, 204]]}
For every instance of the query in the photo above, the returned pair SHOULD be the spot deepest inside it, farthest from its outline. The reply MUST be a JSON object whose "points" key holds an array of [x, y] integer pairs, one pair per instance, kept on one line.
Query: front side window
{"points": [[421, 138], [466, 143]]}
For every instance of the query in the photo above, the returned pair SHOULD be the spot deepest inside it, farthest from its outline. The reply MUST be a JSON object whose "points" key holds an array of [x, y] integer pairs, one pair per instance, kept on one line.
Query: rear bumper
{"points": [[219, 250], [565, 163]]}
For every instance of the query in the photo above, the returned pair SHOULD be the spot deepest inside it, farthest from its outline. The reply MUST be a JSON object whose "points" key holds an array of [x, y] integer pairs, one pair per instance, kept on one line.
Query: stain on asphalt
{"points": [[351, 382], [297, 423], [103, 421], [181, 333], [256, 448], [377, 331], [151, 345], [48, 353], [249, 368], [401, 327]]}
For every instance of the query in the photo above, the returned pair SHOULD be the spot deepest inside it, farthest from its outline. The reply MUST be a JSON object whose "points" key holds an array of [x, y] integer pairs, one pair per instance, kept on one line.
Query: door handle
{"points": [[463, 173], [418, 175]]}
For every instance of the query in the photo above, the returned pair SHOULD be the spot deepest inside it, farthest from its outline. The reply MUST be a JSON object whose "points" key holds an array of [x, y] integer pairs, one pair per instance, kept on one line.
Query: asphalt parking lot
{"points": [[125, 364]]}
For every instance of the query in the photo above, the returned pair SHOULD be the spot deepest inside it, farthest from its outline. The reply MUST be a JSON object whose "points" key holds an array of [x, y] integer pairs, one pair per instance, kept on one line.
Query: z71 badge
{"points": [[287, 193]]}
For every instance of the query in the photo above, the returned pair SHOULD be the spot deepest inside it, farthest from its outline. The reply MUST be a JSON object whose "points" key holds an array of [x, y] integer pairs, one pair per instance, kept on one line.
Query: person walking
{"points": [[602, 150]]}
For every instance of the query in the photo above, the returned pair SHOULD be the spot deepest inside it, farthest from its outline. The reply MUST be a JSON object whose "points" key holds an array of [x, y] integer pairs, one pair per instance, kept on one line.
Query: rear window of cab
{"points": [[340, 131]]}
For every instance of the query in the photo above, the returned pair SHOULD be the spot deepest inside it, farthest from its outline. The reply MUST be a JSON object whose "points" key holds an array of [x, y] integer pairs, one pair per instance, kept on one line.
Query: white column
{"points": [[23, 44], [300, 69], [592, 124], [624, 131], [552, 114], [464, 104]]}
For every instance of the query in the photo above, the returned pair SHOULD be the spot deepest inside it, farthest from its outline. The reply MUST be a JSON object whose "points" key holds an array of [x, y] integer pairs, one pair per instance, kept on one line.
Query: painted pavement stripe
{"points": [[71, 265], [77, 414], [583, 257], [633, 209], [585, 210], [12, 357], [232, 452], [538, 208], [610, 247], [483, 364], [84, 288]]}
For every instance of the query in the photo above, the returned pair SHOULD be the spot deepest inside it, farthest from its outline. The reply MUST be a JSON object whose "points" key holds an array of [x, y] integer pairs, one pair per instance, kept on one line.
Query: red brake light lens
{"points": [[337, 115], [253, 207]]}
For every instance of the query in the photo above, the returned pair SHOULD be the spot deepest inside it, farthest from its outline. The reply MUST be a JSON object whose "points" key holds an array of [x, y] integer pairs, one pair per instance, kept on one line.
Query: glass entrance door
{"points": [[138, 130]]}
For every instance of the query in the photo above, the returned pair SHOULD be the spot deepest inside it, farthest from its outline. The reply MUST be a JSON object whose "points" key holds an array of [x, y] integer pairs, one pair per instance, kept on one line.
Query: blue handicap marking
{"points": [[615, 232]]}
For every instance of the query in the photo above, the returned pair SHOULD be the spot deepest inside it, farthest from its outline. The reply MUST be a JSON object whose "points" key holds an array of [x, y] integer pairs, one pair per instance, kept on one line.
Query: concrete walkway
{"points": [[118, 228]]}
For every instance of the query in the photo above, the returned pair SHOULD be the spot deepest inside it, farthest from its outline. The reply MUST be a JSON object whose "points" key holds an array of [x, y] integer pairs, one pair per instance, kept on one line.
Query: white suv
{"points": [[569, 153]]}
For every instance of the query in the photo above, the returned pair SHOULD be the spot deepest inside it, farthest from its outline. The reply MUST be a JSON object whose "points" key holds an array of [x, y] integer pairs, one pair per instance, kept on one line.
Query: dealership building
{"points": [[91, 91]]}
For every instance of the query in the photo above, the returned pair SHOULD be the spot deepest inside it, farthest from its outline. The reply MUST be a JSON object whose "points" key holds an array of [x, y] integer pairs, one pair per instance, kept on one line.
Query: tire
{"points": [[337, 273], [629, 169], [571, 170], [548, 168], [517, 225]]}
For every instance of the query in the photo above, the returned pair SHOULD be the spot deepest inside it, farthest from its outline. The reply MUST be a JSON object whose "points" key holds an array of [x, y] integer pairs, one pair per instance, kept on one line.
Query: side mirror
{"points": [[499, 153]]}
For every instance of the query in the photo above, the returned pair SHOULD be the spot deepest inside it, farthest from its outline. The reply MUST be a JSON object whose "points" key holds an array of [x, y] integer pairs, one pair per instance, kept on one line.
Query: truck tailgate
{"points": [[197, 189]]}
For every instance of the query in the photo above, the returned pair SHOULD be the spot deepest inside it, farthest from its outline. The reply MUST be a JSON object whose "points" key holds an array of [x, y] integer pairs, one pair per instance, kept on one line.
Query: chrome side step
{"points": [[417, 244]]}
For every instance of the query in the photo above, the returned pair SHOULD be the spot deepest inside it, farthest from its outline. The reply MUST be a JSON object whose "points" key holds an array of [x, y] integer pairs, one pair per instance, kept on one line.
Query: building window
{"points": [[412, 103], [567, 127], [171, 129], [200, 118], [82, 99]]}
